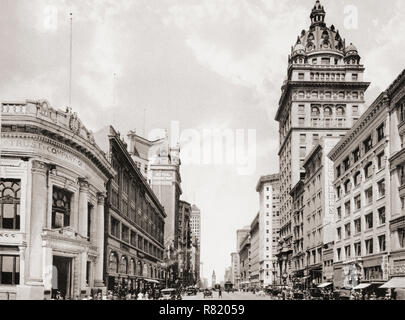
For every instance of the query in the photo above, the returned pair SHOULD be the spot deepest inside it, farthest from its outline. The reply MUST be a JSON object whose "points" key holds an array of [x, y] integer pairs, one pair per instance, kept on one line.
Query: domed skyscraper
{"points": [[322, 96]]}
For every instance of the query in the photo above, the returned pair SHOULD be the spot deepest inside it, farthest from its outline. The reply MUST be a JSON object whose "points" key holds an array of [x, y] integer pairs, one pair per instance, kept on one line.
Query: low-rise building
{"points": [[244, 256], [52, 190]]}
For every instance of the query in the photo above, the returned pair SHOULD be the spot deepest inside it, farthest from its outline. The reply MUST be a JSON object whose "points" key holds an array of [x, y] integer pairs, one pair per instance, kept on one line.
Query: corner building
{"points": [[52, 191], [322, 96]]}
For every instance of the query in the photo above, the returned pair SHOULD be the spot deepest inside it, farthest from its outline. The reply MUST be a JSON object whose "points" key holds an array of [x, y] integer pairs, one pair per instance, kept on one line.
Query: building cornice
{"points": [[376, 108]]}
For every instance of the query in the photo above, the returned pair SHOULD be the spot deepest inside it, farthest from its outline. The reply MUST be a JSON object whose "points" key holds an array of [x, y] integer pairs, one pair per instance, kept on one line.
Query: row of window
{"points": [[124, 233], [356, 154], [368, 223], [342, 95], [357, 248]]}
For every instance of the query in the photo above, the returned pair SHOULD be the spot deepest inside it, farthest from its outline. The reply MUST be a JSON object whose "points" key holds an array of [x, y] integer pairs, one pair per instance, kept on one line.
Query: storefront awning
{"points": [[394, 283], [325, 284], [151, 280], [362, 286]]}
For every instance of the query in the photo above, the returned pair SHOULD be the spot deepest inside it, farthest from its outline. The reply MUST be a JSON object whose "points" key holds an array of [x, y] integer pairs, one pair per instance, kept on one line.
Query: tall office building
{"points": [[323, 95]]}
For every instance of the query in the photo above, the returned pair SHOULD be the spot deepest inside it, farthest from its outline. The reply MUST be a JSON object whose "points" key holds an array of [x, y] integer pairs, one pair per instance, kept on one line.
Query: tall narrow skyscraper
{"points": [[323, 95]]}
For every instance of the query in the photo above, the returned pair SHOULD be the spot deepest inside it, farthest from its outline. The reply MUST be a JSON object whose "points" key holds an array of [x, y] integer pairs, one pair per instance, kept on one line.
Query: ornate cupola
{"points": [[318, 15], [351, 55]]}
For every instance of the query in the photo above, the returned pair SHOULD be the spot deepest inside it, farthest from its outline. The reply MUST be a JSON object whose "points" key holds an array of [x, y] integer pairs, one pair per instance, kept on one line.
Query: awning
{"points": [[394, 283], [325, 284], [152, 281], [362, 286]]}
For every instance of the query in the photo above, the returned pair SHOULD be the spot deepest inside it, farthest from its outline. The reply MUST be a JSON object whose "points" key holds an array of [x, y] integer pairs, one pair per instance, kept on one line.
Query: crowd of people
{"points": [[116, 294]]}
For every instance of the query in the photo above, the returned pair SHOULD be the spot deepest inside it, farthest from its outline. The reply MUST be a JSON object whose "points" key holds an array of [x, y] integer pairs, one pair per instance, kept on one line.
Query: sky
{"points": [[206, 64]]}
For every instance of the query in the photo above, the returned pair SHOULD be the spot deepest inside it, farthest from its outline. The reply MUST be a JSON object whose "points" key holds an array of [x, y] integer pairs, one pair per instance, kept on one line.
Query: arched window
{"points": [[327, 112], [315, 112], [60, 208], [113, 263], [340, 111], [124, 265], [315, 93], [10, 193]]}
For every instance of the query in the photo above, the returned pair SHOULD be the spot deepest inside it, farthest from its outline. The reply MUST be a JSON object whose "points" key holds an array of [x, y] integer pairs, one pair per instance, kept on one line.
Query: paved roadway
{"points": [[228, 296]]}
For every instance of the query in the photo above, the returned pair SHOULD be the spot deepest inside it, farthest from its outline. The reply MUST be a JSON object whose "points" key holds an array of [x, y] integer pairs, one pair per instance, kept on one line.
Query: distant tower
{"points": [[214, 279]]}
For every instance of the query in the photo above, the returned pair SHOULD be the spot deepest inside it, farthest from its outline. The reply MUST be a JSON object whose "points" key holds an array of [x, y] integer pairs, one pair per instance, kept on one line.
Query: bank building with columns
{"points": [[52, 186]]}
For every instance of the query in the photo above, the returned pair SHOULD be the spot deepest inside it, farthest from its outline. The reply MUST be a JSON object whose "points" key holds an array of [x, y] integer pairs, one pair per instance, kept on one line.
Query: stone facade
{"points": [[134, 222], [322, 96], [52, 186]]}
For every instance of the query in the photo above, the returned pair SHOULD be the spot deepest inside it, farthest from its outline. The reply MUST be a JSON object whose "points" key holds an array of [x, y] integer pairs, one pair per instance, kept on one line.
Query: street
{"points": [[228, 296]]}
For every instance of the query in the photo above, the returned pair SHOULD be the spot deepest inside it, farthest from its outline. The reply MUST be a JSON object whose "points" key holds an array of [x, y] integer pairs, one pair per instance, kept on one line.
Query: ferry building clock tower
{"points": [[323, 95]]}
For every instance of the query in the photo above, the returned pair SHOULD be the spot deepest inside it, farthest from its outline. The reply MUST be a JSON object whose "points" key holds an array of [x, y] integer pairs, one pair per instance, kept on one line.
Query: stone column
{"points": [[83, 207], [37, 223], [99, 272]]}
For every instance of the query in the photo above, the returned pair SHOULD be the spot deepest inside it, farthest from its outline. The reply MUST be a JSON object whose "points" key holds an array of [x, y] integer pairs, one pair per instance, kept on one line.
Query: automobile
{"points": [[191, 291], [260, 293], [201, 290], [168, 294], [207, 293]]}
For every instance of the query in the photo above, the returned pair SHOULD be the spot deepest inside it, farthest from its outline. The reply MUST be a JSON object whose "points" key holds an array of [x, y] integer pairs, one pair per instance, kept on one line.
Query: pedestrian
{"points": [[140, 295], [220, 293]]}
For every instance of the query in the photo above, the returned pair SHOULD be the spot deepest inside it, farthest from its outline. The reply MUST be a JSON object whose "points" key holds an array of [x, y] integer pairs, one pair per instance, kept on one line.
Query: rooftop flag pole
{"points": [[70, 60]]}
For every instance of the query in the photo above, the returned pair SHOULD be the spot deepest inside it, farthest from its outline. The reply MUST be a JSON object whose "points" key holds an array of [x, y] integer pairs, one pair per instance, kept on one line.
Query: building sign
{"points": [[397, 270], [166, 176], [385, 267], [41, 147]]}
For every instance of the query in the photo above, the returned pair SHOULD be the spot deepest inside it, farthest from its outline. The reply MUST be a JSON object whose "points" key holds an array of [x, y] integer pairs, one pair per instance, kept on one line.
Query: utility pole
{"points": [[70, 59]]}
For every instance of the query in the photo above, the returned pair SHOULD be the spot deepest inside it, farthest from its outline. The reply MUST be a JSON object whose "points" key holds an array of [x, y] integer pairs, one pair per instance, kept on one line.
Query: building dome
{"points": [[351, 50]]}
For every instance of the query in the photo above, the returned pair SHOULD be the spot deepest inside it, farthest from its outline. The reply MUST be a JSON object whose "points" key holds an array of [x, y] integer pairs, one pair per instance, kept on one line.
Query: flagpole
{"points": [[70, 60]]}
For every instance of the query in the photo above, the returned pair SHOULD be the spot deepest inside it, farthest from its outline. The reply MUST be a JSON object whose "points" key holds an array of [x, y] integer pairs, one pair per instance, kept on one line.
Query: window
{"points": [[347, 252], [302, 152], [325, 61], [339, 253], [357, 249], [355, 110], [115, 228], [301, 76], [315, 139], [401, 237], [315, 112], [381, 188], [339, 213], [357, 202], [369, 195], [357, 225], [380, 132], [347, 231], [9, 270], [89, 211], [133, 238], [369, 246], [339, 233], [357, 178], [301, 121], [327, 112], [347, 186], [356, 155], [125, 233], [354, 76], [60, 208], [346, 163], [340, 111], [368, 170], [368, 144], [381, 215], [314, 61], [347, 208], [301, 108], [338, 171], [369, 221], [380, 160], [338, 191], [10, 192], [302, 138], [113, 263], [381, 243]]}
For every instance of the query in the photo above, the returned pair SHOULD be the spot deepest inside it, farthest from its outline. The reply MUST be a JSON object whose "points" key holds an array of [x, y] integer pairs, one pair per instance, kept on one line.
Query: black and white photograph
{"points": [[198, 154]]}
